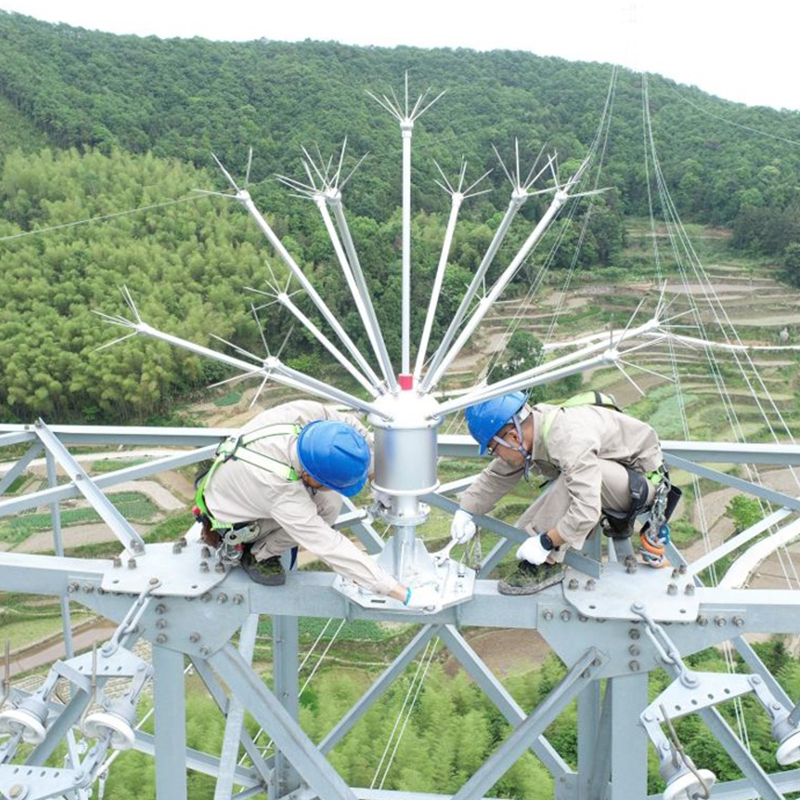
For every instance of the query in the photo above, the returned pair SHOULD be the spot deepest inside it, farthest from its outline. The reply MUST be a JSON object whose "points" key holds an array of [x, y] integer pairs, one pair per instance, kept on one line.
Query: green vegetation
{"points": [[134, 506], [229, 399], [168, 530], [744, 511], [114, 464], [184, 257]]}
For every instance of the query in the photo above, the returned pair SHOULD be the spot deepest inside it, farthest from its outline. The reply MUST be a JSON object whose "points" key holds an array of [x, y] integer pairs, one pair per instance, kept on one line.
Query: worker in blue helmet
{"points": [[278, 483], [598, 462]]}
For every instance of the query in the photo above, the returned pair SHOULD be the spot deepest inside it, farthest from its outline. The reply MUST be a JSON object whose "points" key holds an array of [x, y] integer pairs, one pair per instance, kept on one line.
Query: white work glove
{"points": [[425, 598], [533, 551], [382, 499], [462, 528]]}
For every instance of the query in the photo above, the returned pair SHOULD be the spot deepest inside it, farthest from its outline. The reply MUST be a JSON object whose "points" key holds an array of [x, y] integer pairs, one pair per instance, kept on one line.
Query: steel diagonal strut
{"points": [[273, 717], [120, 527], [235, 718], [498, 694], [15, 505], [579, 676], [33, 452], [389, 675]]}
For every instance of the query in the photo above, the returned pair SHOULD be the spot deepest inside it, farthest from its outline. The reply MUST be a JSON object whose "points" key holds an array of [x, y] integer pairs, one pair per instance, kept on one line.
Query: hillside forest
{"points": [[120, 130]]}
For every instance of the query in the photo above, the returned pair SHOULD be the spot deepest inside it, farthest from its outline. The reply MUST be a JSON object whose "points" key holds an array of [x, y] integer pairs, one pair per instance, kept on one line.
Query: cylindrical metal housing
{"points": [[405, 447]]}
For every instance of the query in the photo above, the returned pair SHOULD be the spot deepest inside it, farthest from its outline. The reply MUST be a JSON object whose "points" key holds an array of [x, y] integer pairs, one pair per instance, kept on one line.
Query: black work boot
{"points": [[531, 578], [268, 572]]}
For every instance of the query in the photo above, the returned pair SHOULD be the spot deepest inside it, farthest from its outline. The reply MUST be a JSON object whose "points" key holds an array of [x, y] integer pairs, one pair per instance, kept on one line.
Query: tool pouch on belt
{"points": [[620, 523]]}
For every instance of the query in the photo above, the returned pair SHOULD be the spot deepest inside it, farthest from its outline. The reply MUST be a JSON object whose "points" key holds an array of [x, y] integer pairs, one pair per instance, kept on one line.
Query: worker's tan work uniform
{"points": [[584, 458], [289, 513]]}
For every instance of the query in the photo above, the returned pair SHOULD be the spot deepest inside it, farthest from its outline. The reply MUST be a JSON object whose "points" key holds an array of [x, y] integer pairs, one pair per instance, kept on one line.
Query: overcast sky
{"points": [[742, 52]]}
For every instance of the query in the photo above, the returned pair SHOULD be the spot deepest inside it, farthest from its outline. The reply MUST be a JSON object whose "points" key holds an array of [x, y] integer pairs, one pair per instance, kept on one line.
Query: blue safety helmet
{"points": [[485, 419], [335, 454]]}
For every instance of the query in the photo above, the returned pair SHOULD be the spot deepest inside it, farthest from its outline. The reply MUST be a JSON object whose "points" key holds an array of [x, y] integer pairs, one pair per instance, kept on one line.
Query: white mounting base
{"points": [[16, 720], [686, 786], [454, 583], [98, 724], [789, 749]]}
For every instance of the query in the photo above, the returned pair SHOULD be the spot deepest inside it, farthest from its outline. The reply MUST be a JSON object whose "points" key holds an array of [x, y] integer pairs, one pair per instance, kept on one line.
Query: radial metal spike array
{"points": [[610, 622]]}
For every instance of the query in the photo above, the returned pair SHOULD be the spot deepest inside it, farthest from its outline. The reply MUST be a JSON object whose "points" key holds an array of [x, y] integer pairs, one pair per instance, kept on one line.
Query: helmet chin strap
{"points": [[526, 455], [521, 448]]}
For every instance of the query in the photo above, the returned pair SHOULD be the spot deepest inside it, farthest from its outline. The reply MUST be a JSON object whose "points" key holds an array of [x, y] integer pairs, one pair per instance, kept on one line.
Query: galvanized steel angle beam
{"points": [[594, 741], [49, 575], [286, 641], [387, 677], [119, 435], [15, 505], [234, 718], [40, 783], [202, 762], [261, 766], [500, 697], [169, 700], [512, 534], [770, 495], [741, 756], [580, 674], [629, 743], [285, 731], [388, 794], [464, 446], [744, 789], [16, 434], [121, 528], [33, 452]]}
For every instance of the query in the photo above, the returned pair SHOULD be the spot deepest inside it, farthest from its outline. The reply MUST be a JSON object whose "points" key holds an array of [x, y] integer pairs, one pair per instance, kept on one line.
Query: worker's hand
{"points": [[533, 550], [382, 499], [425, 598], [463, 528]]}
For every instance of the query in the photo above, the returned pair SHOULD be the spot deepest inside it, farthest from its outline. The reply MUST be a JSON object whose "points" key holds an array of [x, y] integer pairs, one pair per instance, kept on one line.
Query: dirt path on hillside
{"points": [[54, 649], [72, 536]]}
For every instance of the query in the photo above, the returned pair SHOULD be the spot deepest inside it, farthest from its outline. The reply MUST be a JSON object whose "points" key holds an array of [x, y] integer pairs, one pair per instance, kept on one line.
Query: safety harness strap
{"points": [[236, 447], [591, 398]]}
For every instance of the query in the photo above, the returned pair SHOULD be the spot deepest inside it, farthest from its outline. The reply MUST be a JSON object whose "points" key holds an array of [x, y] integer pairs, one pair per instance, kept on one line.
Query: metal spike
{"points": [[258, 391], [231, 381], [648, 371], [116, 341], [352, 171], [254, 311], [236, 348], [285, 342], [468, 191], [226, 173], [629, 379], [341, 161], [249, 165], [503, 165]]}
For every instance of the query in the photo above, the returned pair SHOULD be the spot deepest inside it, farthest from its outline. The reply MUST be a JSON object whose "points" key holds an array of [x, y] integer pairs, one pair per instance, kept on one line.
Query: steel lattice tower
{"points": [[611, 623]]}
